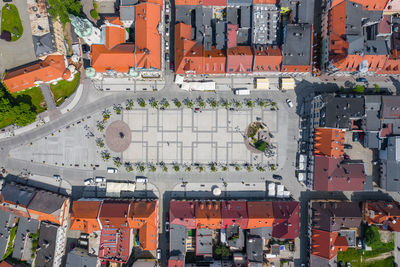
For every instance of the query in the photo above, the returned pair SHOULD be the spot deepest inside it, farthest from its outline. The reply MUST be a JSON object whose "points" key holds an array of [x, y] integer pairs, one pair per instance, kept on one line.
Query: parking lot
{"points": [[186, 136]]}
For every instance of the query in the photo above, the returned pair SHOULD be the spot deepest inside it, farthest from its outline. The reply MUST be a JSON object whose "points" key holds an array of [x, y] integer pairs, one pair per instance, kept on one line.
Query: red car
{"points": [[167, 216], [171, 65]]}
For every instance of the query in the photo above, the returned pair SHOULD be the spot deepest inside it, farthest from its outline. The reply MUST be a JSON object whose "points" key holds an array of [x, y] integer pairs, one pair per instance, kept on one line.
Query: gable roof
{"points": [[267, 58], [260, 214], [208, 215], [142, 215], [52, 68], [386, 214], [334, 174], [326, 244], [234, 213], [329, 142], [114, 35], [183, 213], [148, 40], [84, 216], [287, 218], [120, 58]]}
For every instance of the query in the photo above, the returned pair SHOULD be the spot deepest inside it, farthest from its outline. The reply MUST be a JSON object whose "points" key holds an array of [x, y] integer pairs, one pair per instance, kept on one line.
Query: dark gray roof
{"points": [[337, 112], [264, 232], [204, 242], [128, 2], [243, 36], [25, 227], [239, 2], [376, 47], [177, 241], [390, 167], [353, 21], [6, 222], [390, 107], [80, 258], [235, 237], [372, 102], [127, 13], [47, 202], [254, 248], [182, 14], [296, 49], [17, 194], [333, 216], [44, 45], [208, 40], [356, 44], [47, 245], [220, 34], [316, 261], [245, 17], [306, 11], [350, 236], [372, 121], [232, 15], [372, 140]]}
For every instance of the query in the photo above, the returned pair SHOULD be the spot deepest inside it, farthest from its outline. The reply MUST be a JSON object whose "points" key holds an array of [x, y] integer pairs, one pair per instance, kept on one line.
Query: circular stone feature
{"points": [[118, 136]]}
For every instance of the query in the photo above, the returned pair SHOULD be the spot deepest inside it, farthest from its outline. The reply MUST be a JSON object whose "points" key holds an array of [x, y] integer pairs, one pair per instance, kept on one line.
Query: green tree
{"points": [[226, 103], [100, 126], [359, 89], [250, 103], [117, 109], [176, 168], [117, 162], [105, 155], [164, 103], [153, 103], [99, 142], [213, 103], [141, 102], [152, 168], [372, 235], [177, 103], [200, 102], [237, 104], [222, 250], [24, 114], [94, 14], [128, 167], [61, 8], [129, 104], [188, 102]]}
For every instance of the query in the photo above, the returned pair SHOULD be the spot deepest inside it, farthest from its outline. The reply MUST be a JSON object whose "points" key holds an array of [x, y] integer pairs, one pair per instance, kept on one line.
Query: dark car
{"points": [[341, 264], [347, 146], [277, 177], [167, 216], [85, 48], [7, 1], [171, 65], [356, 137], [166, 19], [346, 156], [361, 80]]}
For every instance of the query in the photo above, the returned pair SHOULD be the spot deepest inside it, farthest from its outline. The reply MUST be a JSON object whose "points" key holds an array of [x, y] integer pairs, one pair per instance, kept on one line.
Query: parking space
{"points": [[356, 151]]}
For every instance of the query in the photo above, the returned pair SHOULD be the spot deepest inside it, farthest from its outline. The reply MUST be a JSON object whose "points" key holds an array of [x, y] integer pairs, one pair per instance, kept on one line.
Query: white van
{"points": [[241, 91], [141, 179], [99, 179], [112, 170], [88, 181]]}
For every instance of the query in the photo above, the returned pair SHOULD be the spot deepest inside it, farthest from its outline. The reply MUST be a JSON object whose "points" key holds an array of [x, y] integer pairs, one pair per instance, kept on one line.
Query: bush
{"points": [[94, 14], [372, 236], [261, 145]]}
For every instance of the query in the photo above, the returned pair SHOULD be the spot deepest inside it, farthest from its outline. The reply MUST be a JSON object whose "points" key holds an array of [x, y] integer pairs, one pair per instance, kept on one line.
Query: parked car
{"points": [[277, 177], [341, 264], [99, 179], [166, 45], [347, 146], [57, 177], [85, 48], [166, 19], [167, 31], [289, 102], [166, 226], [356, 137], [167, 216], [361, 80], [166, 8], [112, 170], [348, 264], [88, 181], [167, 57], [171, 65], [346, 156], [159, 254]]}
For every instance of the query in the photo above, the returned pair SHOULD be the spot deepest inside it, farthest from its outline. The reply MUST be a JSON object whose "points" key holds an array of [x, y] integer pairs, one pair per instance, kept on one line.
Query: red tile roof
{"points": [[208, 215], [114, 214], [183, 213], [214, 61], [232, 35], [142, 216], [329, 142], [114, 20], [331, 174], [240, 59], [384, 214], [326, 244], [386, 131], [176, 262], [188, 2], [385, 25], [115, 245], [267, 59], [52, 68], [188, 54], [234, 213], [214, 3], [260, 214], [378, 5], [287, 219], [148, 40]]}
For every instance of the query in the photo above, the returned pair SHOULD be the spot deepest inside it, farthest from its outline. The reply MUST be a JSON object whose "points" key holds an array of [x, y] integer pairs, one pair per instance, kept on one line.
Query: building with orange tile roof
{"points": [[188, 2], [148, 39], [267, 58], [208, 215], [49, 70], [234, 213], [183, 213], [142, 216], [329, 142], [260, 214], [84, 216], [120, 58], [327, 244], [214, 61], [383, 214]]}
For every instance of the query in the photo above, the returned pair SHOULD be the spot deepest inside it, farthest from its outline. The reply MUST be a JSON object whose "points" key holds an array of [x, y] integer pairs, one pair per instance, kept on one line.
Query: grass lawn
{"points": [[64, 89], [388, 262], [11, 22], [31, 96], [10, 246]]}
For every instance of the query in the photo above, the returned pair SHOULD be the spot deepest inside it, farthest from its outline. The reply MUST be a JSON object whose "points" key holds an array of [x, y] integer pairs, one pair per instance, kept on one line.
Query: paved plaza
{"points": [[184, 136]]}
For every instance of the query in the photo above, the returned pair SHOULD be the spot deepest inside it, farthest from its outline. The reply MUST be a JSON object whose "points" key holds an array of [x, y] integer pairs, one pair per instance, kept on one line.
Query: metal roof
{"points": [[297, 47], [79, 257], [177, 243]]}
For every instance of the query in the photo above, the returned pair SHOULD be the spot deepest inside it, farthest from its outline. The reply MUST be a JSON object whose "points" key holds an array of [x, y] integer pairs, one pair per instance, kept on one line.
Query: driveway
{"points": [[20, 52]]}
